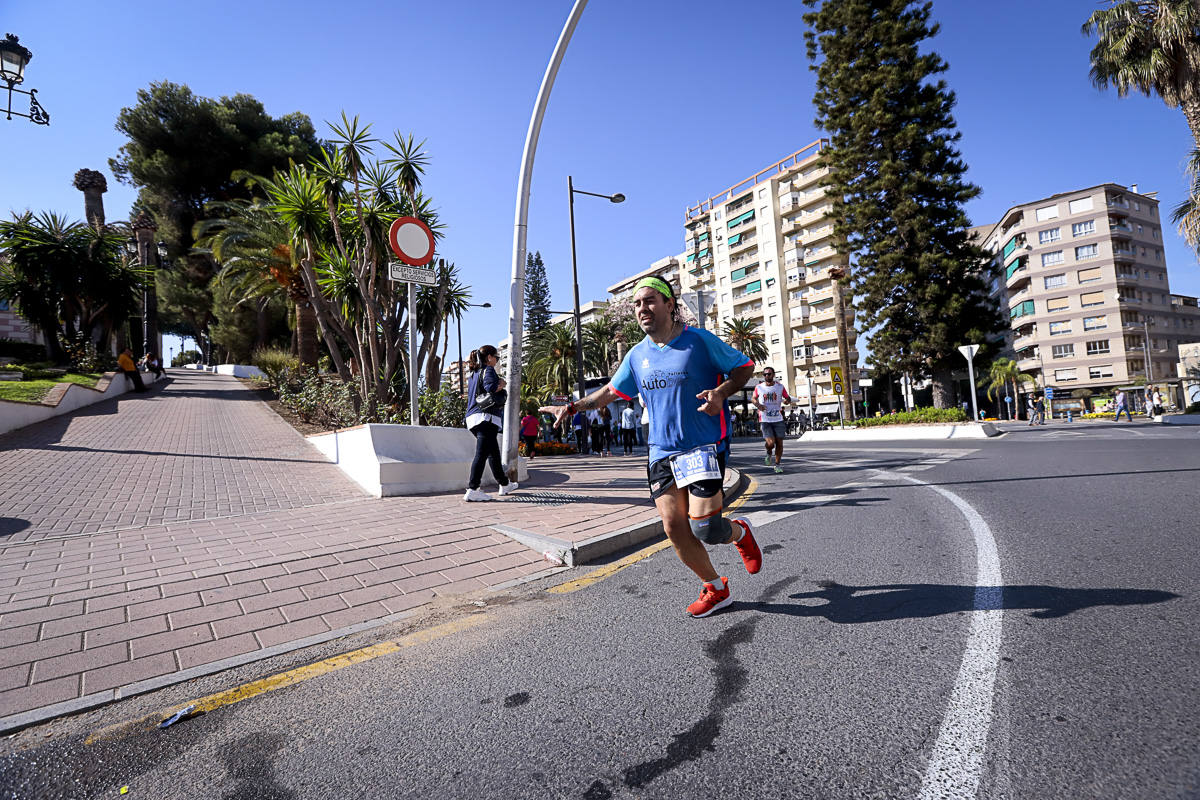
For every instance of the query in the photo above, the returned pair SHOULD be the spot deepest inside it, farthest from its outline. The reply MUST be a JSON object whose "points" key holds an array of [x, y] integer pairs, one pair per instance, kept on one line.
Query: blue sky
{"points": [[665, 102]]}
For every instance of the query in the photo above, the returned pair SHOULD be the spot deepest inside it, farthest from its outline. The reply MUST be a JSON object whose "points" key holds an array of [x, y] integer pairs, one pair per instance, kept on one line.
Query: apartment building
{"points": [[1083, 275], [14, 326], [763, 250], [666, 268]]}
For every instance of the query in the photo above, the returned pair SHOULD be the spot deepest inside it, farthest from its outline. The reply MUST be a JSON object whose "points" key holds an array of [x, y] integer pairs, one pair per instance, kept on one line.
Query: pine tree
{"points": [[898, 186], [537, 294]]}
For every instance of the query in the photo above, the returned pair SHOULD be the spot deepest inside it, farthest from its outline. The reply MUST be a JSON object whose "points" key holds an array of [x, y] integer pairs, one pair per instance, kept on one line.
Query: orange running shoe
{"points": [[711, 598], [748, 548]]}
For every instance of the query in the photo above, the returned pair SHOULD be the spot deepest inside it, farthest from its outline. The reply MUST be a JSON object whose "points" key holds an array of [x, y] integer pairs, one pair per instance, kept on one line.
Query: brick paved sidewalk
{"points": [[97, 610]]}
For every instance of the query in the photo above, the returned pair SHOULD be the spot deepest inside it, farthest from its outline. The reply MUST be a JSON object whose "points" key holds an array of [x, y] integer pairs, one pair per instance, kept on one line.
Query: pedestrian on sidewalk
{"points": [[529, 433], [606, 418], [1121, 402], [1156, 397], [686, 376], [152, 365], [628, 429], [485, 405], [580, 426], [1039, 411], [126, 365], [770, 398]]}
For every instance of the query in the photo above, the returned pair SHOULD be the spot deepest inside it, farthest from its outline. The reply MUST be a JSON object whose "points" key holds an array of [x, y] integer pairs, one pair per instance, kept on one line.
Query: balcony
{"points": [[739, 275], [789, 203], [752, 310], [738, 244], [1022, 310], [815, 235], [826, 334], [821, 314], [791, 225], [1021, 342], [820, 295], [825, 356], [1016, 267]]}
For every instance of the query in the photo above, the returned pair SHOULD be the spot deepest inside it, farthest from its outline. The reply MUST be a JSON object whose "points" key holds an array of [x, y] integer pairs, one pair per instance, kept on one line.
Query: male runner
{"points": [[770, 396], [685, 376]]}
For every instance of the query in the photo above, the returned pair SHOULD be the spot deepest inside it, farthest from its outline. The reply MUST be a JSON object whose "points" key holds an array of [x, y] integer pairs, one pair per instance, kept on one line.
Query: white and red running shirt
{"points": [[772, 397]]}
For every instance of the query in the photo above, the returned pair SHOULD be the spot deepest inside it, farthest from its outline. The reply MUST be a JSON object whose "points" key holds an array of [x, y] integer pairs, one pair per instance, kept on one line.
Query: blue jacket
{"points": [[490, 382]]}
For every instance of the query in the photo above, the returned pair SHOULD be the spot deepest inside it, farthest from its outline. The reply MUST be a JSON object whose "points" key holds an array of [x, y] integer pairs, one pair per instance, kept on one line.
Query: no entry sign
{"points": [[411, 241]]}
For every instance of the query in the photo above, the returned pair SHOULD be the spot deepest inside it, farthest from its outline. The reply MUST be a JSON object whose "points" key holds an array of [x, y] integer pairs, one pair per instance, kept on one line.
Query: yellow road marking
{"points": [[290, 678], [607, 570]]}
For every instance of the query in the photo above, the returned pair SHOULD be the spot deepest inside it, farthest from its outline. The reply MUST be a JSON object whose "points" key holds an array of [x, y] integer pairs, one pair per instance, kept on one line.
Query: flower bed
{"points": [[551, 449], [917, 415]]}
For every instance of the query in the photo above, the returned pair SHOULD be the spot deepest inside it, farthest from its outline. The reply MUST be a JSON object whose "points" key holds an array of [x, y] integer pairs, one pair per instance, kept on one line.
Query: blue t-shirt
{"points": [[669, 378]]}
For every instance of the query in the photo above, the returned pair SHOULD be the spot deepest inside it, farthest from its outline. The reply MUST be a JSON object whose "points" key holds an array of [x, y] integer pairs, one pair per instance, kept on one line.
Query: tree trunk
{"points": [[262, 327], [1191, 112], [306, 333], [943, 388]]}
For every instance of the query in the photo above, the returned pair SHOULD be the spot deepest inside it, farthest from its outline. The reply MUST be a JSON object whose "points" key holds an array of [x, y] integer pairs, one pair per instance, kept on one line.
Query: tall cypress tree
{"points": [[898, 186], [537, 294]]}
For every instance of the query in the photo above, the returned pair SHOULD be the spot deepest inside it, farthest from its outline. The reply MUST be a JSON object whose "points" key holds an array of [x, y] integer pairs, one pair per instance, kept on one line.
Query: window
{"points": [[1081, 205], [1091, 299], [1057, 304], [1055, 281], [1063, 351], [1097, 347], [770, 282], [774, 340], [1065, 374], [1059, 328], [762, 192], [1089, 275], [1155, 232], [1095, 323], [1052, 235], [1052, 258], [1083, 228], [1086, 251], [1102, 371], [772, 320], [771, 300], [1047, 212]]}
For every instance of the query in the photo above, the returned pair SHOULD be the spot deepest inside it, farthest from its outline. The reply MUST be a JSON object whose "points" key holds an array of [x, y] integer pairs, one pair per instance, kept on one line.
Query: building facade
{"points": [[1083, 276], [763, 250], [14, 326]]}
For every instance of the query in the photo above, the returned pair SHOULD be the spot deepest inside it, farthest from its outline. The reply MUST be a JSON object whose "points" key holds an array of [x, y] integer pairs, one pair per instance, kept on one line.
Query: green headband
{"points": [[657, 284]]}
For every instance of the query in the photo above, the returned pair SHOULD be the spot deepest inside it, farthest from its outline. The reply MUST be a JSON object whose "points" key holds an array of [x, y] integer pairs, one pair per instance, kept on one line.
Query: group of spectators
{"points": [[596, 431]]}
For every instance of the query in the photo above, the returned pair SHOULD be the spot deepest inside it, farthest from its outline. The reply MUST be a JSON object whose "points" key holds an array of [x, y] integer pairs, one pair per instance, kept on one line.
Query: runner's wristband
{"points": [[571, 408]]}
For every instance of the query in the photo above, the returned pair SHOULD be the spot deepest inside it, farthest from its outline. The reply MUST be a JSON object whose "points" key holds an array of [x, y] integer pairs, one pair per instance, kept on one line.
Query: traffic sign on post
{"points": [[411, 241], [1049, 392], [421, 275], [836, 374]]}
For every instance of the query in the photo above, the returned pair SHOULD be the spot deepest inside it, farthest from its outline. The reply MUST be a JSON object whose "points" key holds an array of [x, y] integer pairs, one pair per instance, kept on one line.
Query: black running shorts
{"points": [[661, 479]]}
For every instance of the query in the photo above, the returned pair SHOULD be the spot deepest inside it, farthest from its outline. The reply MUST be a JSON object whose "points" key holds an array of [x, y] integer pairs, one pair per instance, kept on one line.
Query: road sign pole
{"points": [[414, 417]]}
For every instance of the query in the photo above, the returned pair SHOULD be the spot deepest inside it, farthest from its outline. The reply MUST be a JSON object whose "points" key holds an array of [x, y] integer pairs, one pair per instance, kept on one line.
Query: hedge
{"points": [[917, 415]]}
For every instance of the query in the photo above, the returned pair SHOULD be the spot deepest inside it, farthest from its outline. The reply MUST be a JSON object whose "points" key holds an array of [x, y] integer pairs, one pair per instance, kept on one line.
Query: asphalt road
{"points": [[858, 657]]}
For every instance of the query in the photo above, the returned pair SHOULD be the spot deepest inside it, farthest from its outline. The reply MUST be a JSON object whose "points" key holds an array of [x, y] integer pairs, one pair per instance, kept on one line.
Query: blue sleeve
{"points": [[623, 380], [490, 381], [723, 355]]}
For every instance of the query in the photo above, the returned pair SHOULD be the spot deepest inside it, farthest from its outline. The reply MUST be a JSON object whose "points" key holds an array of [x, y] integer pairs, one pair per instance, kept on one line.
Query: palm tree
{"points": [[601, 345], [552, 358], [1187, 214], [258, 259], [744, 336], [67, 278], [1001, 372], [1150, 46]]}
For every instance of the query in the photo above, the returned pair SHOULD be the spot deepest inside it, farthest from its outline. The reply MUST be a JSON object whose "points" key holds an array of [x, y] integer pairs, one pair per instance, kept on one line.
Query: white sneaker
{"points": [[476, 496], [511, 487]]}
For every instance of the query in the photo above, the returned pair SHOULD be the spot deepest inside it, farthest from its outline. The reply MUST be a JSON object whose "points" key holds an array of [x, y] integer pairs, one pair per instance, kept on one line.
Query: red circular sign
{"points": [[411, 241]]}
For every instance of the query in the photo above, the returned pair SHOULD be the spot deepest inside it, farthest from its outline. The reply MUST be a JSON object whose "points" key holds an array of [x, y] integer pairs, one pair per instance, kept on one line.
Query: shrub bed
{"points": [[916, 416], [552, 449]]}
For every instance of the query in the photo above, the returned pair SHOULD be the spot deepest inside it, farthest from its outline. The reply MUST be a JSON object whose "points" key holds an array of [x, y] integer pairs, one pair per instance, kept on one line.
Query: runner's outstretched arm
{"points": [[597, 399]]}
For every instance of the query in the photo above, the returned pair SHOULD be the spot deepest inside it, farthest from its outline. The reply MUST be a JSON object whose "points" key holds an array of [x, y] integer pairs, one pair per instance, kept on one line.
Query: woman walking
{"points": [[484, 420]]}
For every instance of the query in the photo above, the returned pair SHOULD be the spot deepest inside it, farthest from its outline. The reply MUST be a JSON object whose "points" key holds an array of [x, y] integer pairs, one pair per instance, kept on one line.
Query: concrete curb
{"points": [[574, 554]]}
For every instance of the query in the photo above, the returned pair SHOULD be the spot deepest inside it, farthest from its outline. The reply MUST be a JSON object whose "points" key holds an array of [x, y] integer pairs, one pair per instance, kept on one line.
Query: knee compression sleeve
{"points": [[713, 529]]}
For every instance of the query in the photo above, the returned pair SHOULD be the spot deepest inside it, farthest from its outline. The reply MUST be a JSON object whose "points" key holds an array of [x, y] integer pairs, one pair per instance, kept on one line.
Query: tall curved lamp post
{"points": [[516, 300], [13, 58]]}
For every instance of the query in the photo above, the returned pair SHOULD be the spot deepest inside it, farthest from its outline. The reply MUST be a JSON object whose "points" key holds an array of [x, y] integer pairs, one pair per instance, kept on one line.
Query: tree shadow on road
{"points": [[886, 602]]}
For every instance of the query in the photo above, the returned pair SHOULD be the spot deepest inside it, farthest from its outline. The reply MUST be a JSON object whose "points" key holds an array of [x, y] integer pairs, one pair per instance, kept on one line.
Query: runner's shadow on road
{"points": [[884, 603], [11, 525]]}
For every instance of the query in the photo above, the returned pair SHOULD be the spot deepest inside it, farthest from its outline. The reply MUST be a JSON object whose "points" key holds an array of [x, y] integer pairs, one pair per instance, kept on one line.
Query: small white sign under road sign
{"points": [[421, 275]]}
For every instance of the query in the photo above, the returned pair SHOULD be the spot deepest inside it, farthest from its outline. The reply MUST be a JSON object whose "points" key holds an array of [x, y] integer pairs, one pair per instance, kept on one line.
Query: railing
{"points": [[804, 154]]}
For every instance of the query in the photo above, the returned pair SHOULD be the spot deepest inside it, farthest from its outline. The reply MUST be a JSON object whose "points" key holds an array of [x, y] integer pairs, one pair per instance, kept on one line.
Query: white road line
{"points": [[956, 764]]}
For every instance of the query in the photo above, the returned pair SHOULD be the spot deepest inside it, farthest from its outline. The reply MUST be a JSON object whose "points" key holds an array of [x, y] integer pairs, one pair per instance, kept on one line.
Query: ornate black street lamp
{"points": [[13, 58]]}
